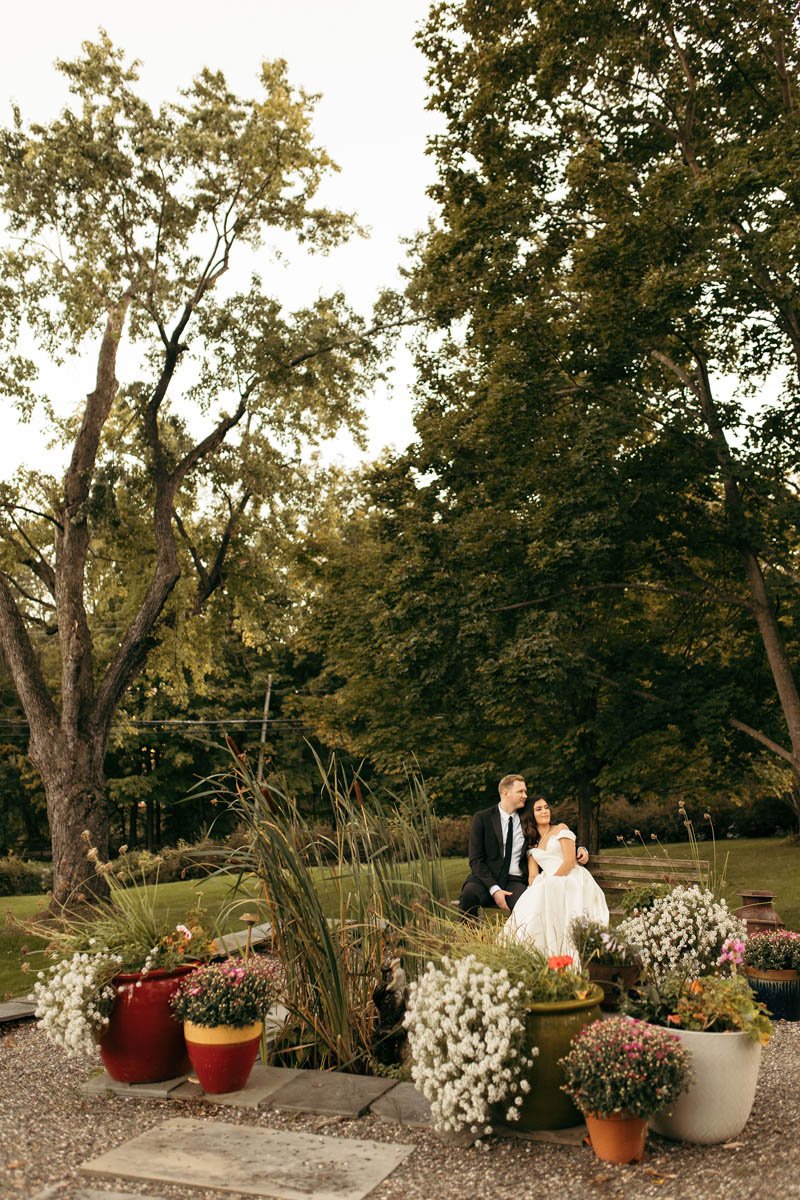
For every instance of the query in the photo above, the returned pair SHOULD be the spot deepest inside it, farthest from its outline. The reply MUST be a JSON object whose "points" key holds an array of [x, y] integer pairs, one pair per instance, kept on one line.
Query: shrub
{"points": [[682, 932], [20, 877], [773, 950], [619, 1065]]}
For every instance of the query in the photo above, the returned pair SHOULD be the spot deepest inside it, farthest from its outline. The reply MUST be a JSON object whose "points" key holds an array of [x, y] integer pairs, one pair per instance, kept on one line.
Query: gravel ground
{"points": [[47, 1128]]}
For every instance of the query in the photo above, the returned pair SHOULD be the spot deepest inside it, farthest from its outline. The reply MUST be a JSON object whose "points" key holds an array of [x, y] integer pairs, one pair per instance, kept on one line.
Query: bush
{"points": [[454, 836], [20, 877]]}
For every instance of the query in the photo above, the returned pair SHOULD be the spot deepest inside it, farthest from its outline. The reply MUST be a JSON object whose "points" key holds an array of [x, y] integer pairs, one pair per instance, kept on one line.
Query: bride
{"points": [[558, 889]]}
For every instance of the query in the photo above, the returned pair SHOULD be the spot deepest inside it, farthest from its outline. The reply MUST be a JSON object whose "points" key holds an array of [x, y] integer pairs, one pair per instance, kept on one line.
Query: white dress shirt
{"points": [[517, 844]]}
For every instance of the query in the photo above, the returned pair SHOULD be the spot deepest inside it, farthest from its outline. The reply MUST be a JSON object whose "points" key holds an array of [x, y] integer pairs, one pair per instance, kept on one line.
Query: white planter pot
{"points": [[716, 1107]]}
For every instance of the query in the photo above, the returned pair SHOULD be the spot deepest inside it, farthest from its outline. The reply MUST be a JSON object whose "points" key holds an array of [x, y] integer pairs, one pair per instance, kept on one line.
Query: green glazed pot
{"points": [[551, 1027]]}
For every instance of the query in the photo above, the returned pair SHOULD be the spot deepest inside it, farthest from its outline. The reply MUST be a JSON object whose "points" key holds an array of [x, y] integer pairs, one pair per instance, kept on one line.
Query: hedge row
{"points": [[619, 821]]}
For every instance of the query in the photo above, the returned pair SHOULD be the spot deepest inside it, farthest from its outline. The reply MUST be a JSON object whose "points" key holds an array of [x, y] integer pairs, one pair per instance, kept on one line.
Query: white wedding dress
{"points": [[543, 913]]}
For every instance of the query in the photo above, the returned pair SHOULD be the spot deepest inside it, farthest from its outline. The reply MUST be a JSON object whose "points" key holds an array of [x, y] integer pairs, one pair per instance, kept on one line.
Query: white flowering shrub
{"points": [[682, 933], [466, 1032], [74, 998]]}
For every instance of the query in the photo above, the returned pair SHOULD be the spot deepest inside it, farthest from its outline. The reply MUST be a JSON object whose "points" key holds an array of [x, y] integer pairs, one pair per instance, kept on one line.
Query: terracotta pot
{"points": [[758, 912], [717, 1105], [222, 1055], [779, 990], [617, 1137], [142, 1042], [551, 1027], [614, 981]]}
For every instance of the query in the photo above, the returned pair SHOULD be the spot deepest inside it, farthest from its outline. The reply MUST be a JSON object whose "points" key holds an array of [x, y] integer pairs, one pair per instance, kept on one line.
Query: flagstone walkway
{"points": [[62, 1129]]}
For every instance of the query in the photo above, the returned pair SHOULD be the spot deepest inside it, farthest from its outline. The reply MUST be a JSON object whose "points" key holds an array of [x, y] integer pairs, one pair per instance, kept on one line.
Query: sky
{"points": [[371, 118]]}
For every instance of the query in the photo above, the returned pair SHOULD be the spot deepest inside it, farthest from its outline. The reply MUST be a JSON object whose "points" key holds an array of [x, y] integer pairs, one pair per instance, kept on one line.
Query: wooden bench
{"points": [[617, 874]]}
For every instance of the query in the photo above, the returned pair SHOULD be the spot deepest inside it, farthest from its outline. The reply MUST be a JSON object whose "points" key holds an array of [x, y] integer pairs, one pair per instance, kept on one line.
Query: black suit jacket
{"points": [[486, 849]]}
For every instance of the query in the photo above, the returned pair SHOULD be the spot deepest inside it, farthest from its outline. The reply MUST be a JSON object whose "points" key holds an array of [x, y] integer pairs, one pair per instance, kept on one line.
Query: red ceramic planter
{"points": [[142, 1042], [222, 1055]]}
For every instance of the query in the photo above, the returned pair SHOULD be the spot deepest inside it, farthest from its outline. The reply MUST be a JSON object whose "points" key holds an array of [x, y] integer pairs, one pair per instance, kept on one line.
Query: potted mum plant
{"points": [[115, 968], [772, 968], [607, 957], [620, 1072], [724, 1027], [487, 1026], [222, 1007]]}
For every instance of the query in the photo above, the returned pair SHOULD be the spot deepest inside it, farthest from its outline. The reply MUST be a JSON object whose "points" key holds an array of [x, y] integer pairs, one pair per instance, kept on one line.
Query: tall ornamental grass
{"points": [[340, 906]]}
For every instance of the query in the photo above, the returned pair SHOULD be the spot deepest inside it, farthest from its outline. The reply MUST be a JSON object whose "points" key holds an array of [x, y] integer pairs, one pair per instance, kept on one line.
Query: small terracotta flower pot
{"points": [[617, 1137], [222, 1055]]}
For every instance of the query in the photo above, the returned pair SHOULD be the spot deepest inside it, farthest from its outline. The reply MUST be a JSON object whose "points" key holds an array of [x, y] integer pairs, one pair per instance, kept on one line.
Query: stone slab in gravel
{"points": [[263, 1083], [404, 1105], [574, 1136], [67, 1191], [253, 1162], [332, 1093], [17, 1009], [104, 1085]]}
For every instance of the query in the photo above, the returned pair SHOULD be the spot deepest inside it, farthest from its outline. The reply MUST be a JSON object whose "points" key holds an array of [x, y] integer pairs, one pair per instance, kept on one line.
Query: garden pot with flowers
{"points": [[723, 1027], [222, 1006], [487, 1025], [686, 940], [607, 958], [772, 968], [619, 1072], [116, 967]]}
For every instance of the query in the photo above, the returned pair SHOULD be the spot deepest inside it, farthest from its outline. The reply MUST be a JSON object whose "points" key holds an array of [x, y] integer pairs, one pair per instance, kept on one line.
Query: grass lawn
{"points": [[768, 863]]}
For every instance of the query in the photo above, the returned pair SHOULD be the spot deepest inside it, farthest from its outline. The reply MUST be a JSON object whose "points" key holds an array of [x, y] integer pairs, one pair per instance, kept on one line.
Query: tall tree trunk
{"points": [[588, 815], [72, 773]]}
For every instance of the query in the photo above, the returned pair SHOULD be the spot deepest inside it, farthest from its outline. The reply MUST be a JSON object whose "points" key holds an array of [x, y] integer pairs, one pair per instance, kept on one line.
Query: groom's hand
{"points": [[582, 856], [499, 898]]}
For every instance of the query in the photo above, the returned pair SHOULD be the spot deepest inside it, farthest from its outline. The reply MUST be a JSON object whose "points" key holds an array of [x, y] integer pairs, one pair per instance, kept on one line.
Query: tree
{"points": [[618, 187], [123, 221]]}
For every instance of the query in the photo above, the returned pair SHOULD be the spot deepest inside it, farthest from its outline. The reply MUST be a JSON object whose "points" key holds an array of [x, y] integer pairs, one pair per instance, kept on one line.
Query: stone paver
{"points": [[231, 942], [104, 1085], [252, 1161], [332, 1093], [67, 1191], [19, 1008], [574, 1136], [404, 1105], [263, 1083]]}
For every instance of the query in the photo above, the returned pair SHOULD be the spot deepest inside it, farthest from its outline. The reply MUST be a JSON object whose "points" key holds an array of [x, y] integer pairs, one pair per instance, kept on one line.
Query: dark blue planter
{"points": [[779, 990]]}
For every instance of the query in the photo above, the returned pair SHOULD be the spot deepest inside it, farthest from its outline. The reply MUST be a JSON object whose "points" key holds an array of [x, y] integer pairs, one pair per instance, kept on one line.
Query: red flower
{"points": [[557, 962]]}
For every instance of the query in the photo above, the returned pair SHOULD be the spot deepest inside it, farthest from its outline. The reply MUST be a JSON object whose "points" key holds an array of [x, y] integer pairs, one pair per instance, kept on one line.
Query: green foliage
{"points": [[21, 878], [540, 978], [333, 927], [642, 896], [554, 578], [710, 1003]]}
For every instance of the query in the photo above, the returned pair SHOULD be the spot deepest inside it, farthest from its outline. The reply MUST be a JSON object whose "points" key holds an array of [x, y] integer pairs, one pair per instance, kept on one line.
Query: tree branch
{"points": [[764, 740], [662, 588], [23, 666]]}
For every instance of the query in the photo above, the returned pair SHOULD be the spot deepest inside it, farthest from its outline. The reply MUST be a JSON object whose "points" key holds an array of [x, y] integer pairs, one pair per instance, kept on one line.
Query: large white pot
{"points": [[718, 1103]]}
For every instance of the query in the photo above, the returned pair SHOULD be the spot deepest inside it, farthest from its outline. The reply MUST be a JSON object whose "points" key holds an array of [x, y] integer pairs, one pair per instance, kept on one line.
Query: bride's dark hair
{"points": [[528, 823]]}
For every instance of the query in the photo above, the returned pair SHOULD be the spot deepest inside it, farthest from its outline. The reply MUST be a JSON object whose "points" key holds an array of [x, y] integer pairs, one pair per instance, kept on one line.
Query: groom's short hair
{"points": [[506, 782]]}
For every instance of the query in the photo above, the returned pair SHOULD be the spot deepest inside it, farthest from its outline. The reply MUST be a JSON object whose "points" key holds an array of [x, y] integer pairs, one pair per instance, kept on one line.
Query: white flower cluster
{"points": [[682, 933], [73, 1000], [466, 1033]]}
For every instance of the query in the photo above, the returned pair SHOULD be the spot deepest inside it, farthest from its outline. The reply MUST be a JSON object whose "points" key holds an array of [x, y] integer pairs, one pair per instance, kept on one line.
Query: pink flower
{"points": [[185, 930]]}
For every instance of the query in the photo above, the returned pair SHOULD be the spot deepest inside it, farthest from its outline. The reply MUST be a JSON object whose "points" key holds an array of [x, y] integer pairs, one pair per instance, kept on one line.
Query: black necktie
{"points": [[507, 854]]}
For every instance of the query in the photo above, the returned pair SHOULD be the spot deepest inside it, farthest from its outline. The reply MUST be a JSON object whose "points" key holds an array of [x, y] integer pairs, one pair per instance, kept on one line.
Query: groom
{"points": [[498, 853]]}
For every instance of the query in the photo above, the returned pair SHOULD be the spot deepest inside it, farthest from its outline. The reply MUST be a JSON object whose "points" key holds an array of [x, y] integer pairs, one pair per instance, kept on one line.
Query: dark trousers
{"points": [[474, 895]]}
